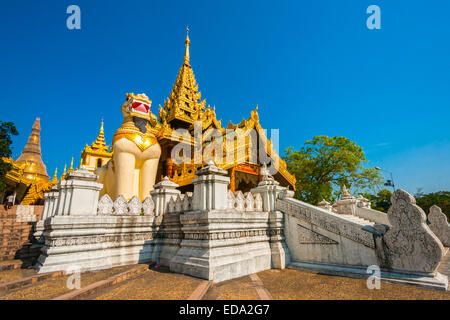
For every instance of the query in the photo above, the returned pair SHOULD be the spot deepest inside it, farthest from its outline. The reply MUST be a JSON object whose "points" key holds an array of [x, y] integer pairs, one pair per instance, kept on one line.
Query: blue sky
{"points": [[313, 67]]}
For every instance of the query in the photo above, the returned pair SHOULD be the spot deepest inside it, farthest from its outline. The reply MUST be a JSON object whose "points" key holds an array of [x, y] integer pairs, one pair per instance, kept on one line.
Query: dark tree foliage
{"points": [[381, 201], [324, 164], [440, 198], [6, 130]]}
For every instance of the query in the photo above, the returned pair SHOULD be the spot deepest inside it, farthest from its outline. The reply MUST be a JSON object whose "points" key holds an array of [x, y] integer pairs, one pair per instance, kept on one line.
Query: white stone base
{"points": [[96, 259], [221, 245], [223, 263], [96, 242], [436, 281]]}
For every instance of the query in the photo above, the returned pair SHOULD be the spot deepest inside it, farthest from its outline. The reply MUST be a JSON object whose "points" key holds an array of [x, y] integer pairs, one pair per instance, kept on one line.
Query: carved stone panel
{"points": [[148, 206], [105, 205], [134, 206], [308, 236], [120, 206], [409, 244], [439, 225]]}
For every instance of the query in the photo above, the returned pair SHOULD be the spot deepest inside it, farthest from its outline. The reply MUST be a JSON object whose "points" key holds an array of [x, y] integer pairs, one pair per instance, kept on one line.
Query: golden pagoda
{"points": [[28, 179], [183, 109], [97, 154]]}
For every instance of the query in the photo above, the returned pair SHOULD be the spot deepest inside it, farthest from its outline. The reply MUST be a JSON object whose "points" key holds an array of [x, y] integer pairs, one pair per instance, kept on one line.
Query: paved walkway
{"points": [[160, 284]]}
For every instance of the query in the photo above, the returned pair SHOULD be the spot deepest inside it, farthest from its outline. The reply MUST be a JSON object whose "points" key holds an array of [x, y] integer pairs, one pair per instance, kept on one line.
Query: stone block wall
{"points": [[16, 233]]}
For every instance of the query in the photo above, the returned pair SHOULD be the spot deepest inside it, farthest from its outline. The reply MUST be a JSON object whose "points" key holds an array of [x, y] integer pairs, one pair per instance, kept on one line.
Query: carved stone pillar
{"points": [[210, 188], [270, 190], [78, 193], [162, 193]]}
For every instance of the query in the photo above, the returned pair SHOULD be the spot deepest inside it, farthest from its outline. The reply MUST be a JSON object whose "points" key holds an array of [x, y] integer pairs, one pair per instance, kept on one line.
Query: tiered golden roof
{"points": [[184, 103], [97, 151], [183, 108], [99, 145]]}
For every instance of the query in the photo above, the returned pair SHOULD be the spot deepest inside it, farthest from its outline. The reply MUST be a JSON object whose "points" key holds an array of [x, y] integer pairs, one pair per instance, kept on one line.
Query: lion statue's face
{"points": [[136, 106]]}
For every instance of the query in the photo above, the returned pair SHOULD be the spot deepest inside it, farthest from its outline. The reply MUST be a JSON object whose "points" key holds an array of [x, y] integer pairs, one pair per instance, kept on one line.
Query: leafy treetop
{"points": [[324, 164]]}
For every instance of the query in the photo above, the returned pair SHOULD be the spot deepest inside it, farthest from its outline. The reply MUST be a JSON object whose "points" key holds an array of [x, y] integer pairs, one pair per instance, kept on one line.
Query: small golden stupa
{"points": [[28, 178]]}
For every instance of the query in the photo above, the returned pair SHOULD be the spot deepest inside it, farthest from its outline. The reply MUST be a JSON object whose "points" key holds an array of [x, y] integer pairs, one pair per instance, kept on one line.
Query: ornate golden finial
{"points": [[71, 165], [55, 177], [99, 143], [187, 42], [185, 99], [64, 173]]}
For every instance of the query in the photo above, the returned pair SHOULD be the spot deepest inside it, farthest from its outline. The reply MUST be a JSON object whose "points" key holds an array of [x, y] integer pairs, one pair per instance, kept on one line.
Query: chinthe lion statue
{"points": [[136, 151]]}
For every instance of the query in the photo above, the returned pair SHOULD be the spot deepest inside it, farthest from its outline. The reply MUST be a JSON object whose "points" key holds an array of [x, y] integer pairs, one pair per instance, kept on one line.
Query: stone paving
{"points": [[291, 284], [54, 287], [15, 274], [287, 284], [154, 284], [236, 289]]}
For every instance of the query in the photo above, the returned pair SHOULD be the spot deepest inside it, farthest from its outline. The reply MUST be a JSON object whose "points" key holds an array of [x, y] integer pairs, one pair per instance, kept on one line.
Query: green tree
{"points": [[324, 164], [6, 130], [381, 201], [440, 198]]}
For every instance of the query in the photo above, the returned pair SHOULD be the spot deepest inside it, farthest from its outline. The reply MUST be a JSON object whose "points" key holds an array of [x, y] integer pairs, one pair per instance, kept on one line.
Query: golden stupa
{"points": [[35, 168], [28, 178]]}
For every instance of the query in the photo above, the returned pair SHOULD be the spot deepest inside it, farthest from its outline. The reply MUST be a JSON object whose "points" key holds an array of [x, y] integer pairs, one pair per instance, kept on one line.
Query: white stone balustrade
{"points": [[247, 202], [105, 205], [121, 207], [148, 206]]}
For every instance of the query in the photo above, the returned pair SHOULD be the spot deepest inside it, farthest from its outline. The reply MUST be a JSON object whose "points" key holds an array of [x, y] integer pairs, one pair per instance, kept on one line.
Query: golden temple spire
{"points": [[99, 143], [187, 42], [55, 177], [32, 154], [64, 173], [184, 101], [71, 166]]}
